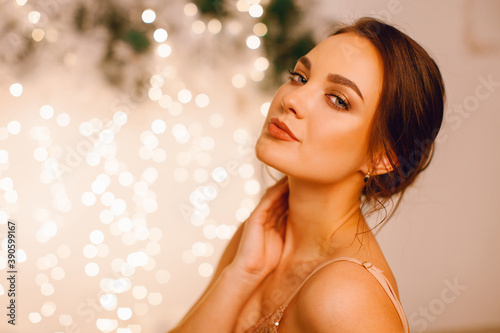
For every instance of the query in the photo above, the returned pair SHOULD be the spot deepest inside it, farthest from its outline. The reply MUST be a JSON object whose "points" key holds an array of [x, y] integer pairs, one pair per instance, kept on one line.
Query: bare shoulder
{"points": [[345, 297]]}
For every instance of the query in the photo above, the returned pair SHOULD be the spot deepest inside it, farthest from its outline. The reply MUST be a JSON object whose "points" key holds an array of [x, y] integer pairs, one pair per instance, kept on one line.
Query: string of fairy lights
{"points": [[187, 147]]}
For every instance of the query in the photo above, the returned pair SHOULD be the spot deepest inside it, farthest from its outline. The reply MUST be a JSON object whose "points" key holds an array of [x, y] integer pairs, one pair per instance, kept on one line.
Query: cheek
{"points": [[342, 140]]}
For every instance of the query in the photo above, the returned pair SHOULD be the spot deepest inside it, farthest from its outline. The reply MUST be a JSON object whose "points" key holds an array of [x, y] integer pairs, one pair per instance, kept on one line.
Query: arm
{"points": [[251, 255]]}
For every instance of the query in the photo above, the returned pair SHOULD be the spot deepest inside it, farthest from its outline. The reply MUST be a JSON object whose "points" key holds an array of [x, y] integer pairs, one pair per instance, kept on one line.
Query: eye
{"points": [[296, 77], [338, 102]]}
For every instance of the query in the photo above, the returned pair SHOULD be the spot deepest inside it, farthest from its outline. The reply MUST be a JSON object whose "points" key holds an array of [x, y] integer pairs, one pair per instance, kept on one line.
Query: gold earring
{"points": [[367, 177]]}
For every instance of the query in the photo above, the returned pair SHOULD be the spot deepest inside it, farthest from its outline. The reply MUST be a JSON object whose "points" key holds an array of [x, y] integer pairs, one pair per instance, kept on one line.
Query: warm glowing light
{"points": [[180, 133], [257, 75], [65, 320], [4, 158], [207, 143], [124, 313], [48, 309], [157, 81], [96, 237], [118, 207], [160, 35], [162, 276], [198, 27], [46, 112], [214, 26], [242, 5], [253, 42], [158, 126], [14, 127], [246, 170], [88, 198], [120, 118], [260, 29], [210, 231], [139, 292], [63, 119], [238, 81], [261, 64], [205, 269], [264, 108], [125, 178], [155, 298], [242, 214], [164, 50], [252, 187], [148, 16], [16, 89], [216, 120], [184, 96], [91, 269], [37, 34], [154, 93], [35, 317], [107, 136], [202, 100], [34, 17], [240, 135], [255, 10], [190, 9]]}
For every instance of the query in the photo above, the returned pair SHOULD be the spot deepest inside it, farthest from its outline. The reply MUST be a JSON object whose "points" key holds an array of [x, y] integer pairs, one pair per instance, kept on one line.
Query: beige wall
{"points": [[445, 230]]}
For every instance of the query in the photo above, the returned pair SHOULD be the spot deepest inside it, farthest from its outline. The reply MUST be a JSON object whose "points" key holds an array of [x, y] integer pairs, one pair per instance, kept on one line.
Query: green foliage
{"points": [[138, 40], [120, 27], [286, 40], [211, 7]]}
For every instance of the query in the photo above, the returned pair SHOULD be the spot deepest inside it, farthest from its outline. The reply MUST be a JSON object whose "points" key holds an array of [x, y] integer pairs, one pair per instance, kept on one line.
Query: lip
{"points": [[282, 131]]}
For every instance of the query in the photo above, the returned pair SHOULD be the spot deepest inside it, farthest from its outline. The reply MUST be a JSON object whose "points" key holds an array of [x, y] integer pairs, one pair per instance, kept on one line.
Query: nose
{"points": [[296, 101]]}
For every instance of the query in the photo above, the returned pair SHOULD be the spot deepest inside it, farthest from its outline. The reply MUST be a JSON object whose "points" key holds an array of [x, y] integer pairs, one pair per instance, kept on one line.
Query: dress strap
{"points": [[377, 274]]}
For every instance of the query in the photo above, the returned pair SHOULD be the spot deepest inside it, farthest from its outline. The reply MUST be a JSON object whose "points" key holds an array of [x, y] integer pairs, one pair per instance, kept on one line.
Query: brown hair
{"points": [[409, 113]]}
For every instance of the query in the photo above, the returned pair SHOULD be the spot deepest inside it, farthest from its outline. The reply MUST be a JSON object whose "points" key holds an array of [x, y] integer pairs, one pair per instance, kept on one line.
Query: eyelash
{"points": [[345, 102]]}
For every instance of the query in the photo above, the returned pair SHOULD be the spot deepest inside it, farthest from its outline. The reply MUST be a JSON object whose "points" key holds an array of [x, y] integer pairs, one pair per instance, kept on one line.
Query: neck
{"points": [[319, 216]]}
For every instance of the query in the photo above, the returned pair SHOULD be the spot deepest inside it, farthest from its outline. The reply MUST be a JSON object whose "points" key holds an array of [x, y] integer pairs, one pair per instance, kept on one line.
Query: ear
{"points": [[380, 165]]}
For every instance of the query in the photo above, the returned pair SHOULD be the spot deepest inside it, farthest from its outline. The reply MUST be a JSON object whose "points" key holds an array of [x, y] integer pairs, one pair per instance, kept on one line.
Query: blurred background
{"points": [[126, 154]]}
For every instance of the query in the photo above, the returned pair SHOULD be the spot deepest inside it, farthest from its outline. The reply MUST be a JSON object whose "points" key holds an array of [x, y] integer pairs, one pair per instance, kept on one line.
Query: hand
{"points": [[262, 239]]}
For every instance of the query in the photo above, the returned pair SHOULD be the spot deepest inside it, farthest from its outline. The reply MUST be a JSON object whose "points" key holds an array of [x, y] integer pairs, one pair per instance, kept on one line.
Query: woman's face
{"points": [[328, 106]]}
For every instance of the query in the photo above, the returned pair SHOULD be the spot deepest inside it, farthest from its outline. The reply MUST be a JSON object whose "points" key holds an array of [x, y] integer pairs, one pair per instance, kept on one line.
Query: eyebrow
{"points": [[334, 78]]}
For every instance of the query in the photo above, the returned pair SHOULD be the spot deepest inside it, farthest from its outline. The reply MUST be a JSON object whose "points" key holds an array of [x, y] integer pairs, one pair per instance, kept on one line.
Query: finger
{"points": [[278, 209], [279, 187], [271, 198], [283, 179], [281, 227]]}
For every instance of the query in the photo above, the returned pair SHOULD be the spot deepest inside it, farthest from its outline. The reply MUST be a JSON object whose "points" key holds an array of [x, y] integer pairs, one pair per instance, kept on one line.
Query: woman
{"points": [[353, 126]]}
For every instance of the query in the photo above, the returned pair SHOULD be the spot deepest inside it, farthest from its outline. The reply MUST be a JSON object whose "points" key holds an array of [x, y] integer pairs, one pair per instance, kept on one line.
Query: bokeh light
{"points": [[16, 89], [160, 35], [148, 16], [190, 9], [253, 42]]}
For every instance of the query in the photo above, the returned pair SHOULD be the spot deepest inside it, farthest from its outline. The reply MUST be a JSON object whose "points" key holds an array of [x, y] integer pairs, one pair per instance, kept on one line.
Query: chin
{"points": [[268, 153]]}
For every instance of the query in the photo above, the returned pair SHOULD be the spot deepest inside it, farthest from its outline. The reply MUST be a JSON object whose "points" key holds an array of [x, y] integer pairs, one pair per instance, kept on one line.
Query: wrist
{"points": [[237, 274]]}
